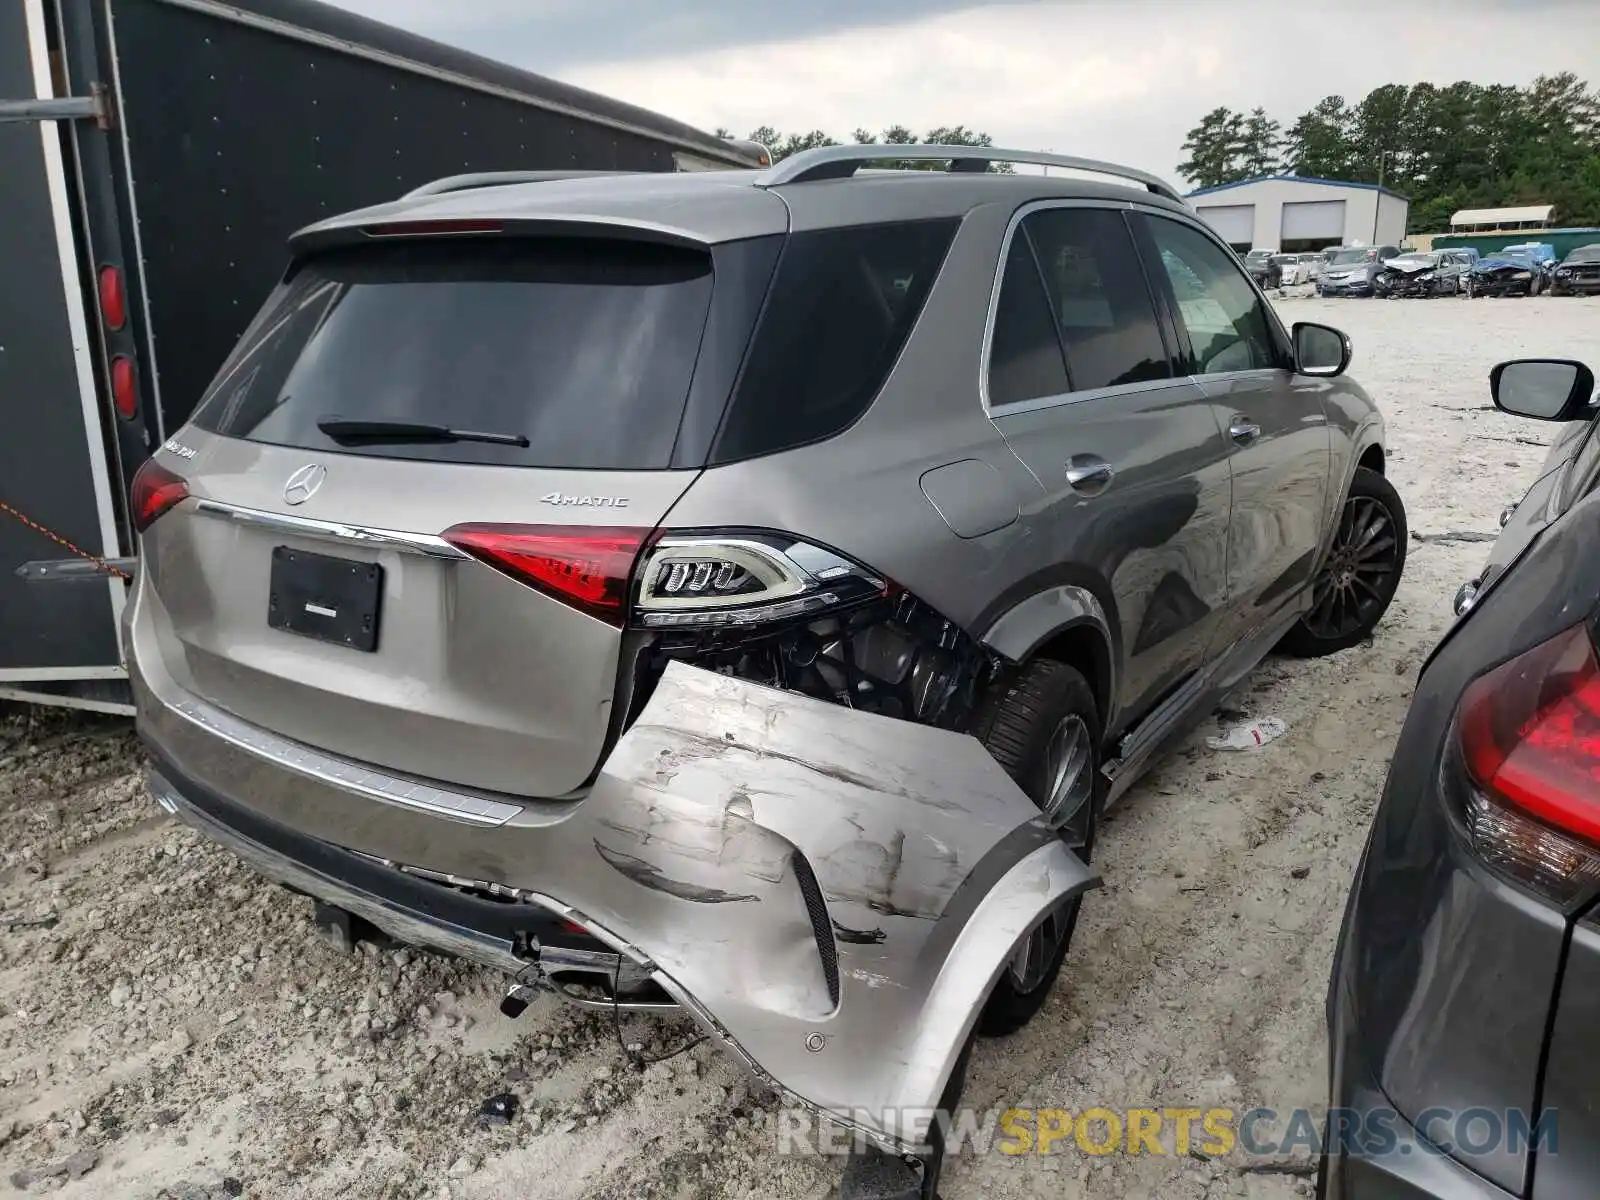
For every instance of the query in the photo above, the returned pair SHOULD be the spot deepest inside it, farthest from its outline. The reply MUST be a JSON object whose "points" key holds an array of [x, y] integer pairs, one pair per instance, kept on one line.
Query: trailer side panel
{"points": [[241, 134], [48, 465]]}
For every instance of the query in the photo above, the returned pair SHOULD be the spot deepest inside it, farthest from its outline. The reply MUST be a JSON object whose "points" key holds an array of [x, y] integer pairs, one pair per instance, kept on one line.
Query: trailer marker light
{"points": [[113, 304], [124, 387]]}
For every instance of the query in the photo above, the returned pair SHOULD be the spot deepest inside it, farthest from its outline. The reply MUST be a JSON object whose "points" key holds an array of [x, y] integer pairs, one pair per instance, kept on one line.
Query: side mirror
{"points": [[1546, 389], [1320, 350]]}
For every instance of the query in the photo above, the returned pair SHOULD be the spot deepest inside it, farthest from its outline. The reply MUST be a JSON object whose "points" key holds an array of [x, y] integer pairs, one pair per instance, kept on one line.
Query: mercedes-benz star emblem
{"points": [[303, 484]]}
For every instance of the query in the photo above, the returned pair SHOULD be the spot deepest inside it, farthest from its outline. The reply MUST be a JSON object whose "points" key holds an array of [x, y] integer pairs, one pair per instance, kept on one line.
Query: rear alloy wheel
{"points": [[1044, 728], [1361, 573]]}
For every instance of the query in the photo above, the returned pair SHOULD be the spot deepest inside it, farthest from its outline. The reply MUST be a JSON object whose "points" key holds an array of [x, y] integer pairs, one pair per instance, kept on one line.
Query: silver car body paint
{"points": [[686, 852]]}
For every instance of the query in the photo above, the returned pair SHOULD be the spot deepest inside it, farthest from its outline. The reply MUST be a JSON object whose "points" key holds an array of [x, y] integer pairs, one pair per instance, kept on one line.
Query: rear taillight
{"points": [[588, 568], [155, 490], [113, 303], [1529, 742], [124, 386]]}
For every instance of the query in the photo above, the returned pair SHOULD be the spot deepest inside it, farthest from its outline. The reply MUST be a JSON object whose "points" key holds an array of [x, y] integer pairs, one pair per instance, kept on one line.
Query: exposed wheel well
{"points": [[1372, 459], [1084, 648]]}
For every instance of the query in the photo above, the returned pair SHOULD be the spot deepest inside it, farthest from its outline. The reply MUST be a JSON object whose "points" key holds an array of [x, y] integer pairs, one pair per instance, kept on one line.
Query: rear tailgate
{"points": [[445, 663]]}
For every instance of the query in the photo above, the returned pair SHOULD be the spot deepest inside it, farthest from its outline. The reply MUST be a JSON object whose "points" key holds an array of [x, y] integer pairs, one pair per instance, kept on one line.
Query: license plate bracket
{"points": [[329, 599]]}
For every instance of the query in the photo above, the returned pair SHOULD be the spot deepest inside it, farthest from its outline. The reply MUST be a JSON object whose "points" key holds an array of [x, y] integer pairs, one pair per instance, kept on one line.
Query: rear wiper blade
{"points": [[347, 430]]}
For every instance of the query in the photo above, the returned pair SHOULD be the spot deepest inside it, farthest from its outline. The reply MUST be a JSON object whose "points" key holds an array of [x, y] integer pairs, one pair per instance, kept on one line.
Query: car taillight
{"points": [[744, 579], [124, 386], [1529, 742], [588, 568], [155, 490], [113, 304]]}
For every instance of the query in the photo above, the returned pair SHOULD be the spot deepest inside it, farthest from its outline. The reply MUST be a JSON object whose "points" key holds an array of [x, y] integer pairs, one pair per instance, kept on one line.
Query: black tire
{"points": [[1357, 581], [1017, 723]]}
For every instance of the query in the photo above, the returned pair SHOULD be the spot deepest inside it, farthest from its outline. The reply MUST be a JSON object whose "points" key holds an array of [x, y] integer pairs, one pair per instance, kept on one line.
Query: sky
{"points": [[1118, 81]]}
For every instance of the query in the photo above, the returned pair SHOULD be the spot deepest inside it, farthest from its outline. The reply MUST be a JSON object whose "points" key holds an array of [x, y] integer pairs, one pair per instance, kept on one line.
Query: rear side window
{"points": [[585, 347], [840, 307]]}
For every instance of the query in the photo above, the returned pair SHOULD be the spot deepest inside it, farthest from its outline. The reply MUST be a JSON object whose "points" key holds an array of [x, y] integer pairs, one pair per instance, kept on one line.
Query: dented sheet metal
{"points": [[693, 852], [930, 861]]}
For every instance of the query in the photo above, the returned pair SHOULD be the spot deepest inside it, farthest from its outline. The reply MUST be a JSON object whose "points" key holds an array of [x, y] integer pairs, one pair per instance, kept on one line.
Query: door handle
{"points": [[1243, 430], [1089, 474]]}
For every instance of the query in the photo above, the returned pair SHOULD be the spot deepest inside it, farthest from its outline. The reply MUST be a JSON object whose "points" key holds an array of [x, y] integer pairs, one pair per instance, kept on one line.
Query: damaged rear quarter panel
{"points": [[930, 861]]}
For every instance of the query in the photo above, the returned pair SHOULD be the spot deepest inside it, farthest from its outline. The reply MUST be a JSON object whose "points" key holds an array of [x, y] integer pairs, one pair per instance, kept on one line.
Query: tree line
{"points": [[1463, 145], [782, 145]]}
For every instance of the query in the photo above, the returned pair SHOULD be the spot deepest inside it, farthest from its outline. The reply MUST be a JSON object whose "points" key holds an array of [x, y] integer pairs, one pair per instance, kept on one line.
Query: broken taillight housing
{"points": [[700, 580], [153, 492], [740, 579], [1528, 745]]}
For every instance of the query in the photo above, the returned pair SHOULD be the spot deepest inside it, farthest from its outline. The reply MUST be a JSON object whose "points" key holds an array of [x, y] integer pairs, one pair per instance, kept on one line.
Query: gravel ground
{"points": [[171, 1027]]}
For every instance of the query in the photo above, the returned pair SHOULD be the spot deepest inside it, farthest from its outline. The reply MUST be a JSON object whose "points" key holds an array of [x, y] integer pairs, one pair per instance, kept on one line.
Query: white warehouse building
{"points": [[1296, 214]]}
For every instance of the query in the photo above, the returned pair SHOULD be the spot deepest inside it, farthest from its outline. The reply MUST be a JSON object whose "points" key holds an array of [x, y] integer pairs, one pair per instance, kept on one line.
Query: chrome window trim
{"points": [[365, 535]]}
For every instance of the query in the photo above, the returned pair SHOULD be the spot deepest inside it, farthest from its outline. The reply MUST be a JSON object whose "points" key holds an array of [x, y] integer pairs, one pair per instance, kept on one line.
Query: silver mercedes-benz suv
{"points": [[743, 591]]}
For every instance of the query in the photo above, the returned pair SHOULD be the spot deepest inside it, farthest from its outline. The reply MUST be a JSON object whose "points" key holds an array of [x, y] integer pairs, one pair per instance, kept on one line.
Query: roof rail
{"points": [[483, 179], [841, 162]]}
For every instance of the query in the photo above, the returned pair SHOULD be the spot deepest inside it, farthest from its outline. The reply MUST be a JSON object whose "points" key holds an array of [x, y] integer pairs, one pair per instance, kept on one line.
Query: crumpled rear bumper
{"points": [[830, 893]]}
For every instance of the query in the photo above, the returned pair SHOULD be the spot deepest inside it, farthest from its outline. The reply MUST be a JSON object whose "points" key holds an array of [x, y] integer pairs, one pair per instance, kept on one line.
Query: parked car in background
{"points": [[1521, 270], [1292, 269], [1311, 265], [1353, 270], [1423, 273], [1464, 1004], [546, 701], [1579, 273], [1265, 269]]}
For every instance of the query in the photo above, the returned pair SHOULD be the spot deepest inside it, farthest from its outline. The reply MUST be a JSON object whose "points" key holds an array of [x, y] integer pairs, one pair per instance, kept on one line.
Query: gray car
{"points": [[743, 591], [1465, 996]]}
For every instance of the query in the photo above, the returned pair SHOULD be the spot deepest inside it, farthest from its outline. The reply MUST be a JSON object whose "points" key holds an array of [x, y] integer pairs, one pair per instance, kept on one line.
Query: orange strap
{"points": [[61, 541]]}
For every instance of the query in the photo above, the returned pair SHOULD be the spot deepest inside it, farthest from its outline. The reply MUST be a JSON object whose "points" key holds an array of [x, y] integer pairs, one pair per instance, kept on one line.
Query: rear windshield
{"points": [[1585, 254], [584, 347]]}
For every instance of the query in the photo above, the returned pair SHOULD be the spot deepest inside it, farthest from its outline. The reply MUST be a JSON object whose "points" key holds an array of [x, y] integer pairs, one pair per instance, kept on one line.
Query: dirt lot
{"points": [[170, 1026]]}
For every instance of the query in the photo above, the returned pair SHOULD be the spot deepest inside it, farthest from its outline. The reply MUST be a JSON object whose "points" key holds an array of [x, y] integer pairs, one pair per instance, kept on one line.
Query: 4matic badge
{"points": [[567, 500]]}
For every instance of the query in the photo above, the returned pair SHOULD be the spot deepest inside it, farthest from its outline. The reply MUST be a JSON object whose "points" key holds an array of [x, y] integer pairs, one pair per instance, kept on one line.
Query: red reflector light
{"points": [[429, 228], [1530, 733], [585, 567], [124, 386], [155, 490], [573, 927], [113, 305]]}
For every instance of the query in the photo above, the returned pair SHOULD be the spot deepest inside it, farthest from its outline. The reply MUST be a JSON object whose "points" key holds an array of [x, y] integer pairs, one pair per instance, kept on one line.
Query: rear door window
{"points": [[584, 347], [1074, 311], [1025, 358], [841, 305], [1102, 304]]}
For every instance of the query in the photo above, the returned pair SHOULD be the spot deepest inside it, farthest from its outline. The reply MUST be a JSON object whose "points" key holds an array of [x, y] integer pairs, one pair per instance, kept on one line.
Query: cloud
{"points": [[1121, 81]]}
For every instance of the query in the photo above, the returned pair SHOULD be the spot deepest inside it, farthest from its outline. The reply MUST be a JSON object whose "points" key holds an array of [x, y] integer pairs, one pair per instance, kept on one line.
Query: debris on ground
{"points": [[1250, 735], [1463, 536], [498, 1110]]}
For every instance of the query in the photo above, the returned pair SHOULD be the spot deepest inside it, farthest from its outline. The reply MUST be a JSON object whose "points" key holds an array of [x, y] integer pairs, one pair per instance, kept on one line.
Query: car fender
{"points": [[1018, 632], [830, 892]]}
